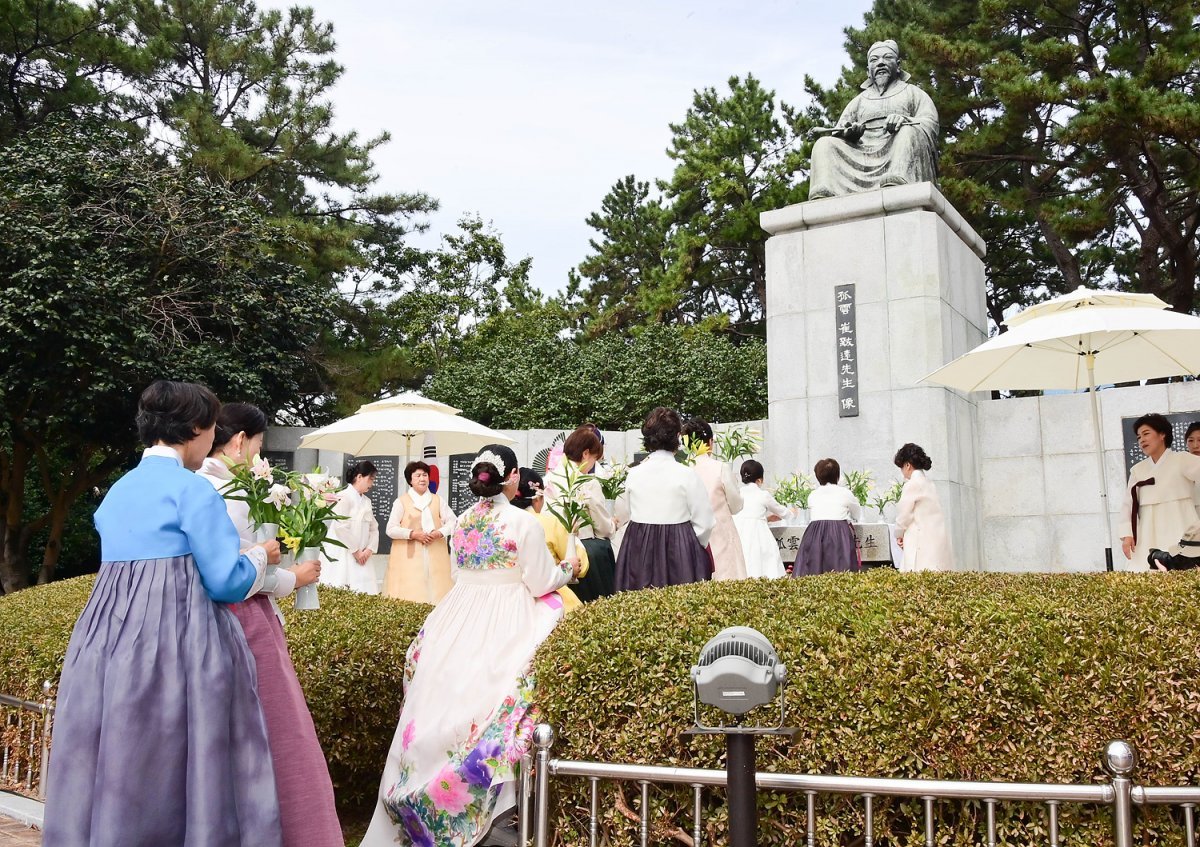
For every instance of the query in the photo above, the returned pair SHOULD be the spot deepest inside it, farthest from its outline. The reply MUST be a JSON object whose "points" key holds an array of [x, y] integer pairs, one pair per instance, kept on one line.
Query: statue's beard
{"points": [[882, 77]]}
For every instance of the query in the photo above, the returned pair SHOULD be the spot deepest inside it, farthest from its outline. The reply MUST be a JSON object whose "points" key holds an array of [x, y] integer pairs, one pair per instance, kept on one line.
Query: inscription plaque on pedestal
{"points": [[847, 350], [282, 459]]}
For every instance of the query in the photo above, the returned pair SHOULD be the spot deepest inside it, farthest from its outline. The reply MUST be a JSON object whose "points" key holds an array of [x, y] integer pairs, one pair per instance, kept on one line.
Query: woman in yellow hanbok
{"points": [[420, 522]]}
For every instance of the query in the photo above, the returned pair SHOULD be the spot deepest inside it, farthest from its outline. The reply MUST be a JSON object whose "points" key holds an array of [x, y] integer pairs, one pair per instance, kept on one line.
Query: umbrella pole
{"points": [[1108, 553], [408, 437]]}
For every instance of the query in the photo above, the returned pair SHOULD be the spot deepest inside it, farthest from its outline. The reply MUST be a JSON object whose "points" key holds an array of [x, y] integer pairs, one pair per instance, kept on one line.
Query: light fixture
{"points": [[739, 670]]}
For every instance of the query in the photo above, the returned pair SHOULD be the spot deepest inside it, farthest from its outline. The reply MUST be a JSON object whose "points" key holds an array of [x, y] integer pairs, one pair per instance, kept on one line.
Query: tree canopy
{"points": [[117, 268], [693, 251], [521, 371], [176, 202], [238, 94]]}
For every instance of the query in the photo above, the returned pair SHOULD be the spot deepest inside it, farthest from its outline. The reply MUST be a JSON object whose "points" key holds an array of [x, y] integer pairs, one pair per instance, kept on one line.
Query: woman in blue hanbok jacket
{"points": [[159, 736]]}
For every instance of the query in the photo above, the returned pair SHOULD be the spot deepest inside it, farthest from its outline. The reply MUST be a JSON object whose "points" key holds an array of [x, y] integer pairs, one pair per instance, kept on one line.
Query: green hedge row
{"points": [[956, 676], [349, 657], [951, 676]]}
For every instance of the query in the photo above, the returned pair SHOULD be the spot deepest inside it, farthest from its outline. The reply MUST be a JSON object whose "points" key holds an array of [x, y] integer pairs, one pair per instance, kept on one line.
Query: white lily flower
{"points": [[261, 469], [279, 496]]}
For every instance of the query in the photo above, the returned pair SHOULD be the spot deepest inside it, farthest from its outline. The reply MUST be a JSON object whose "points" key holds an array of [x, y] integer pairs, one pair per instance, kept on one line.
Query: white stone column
{"points": [[919, 284]]}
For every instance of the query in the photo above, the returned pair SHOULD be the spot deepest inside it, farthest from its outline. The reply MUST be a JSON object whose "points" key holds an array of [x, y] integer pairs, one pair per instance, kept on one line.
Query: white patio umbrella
{"points": [[387, 428], [1076, 341], [408, 400]]}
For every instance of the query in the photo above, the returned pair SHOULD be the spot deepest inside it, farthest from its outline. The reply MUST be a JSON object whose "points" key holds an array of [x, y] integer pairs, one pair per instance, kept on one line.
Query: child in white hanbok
{"points": [[759, 508]]}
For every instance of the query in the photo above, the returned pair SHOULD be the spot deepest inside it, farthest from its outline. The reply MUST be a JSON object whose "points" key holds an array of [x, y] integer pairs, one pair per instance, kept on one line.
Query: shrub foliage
{"points": [[348, 656], [947, 676], [950, 676]]}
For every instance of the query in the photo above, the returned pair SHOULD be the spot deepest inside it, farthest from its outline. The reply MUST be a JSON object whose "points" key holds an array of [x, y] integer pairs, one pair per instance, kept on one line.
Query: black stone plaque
{"points": [[1179, 421], [282, 459], [846, 336], [456, 489], [383, 494]]}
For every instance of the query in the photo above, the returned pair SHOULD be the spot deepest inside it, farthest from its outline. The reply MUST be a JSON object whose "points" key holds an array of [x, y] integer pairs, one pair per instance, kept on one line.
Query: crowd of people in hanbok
{"points": [[180, 717]]}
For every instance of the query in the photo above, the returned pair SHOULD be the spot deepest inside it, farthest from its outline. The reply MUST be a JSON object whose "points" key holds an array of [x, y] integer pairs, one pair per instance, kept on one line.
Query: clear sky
{"points": [[528, 112]]}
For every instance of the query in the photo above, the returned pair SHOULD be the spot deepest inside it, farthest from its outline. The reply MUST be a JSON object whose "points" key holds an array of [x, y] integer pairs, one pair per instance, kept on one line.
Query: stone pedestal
{"points": [[918, 274]]}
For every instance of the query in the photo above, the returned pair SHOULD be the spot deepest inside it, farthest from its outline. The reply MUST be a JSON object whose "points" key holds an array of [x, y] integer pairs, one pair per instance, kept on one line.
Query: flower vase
{"points": [[264, 532], [306, 597], [572, 553]]}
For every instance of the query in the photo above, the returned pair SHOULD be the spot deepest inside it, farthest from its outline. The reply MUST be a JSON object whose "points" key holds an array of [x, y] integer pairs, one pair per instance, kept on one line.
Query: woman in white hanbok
{"points": [[467, 716], [350, 566], [759, 508], [920, 523], [1159, 504]]}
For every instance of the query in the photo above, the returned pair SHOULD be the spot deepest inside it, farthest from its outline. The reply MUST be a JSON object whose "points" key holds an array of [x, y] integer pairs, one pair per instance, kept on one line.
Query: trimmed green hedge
{"points": [[954, 676], [349, 657], [957, 676]]}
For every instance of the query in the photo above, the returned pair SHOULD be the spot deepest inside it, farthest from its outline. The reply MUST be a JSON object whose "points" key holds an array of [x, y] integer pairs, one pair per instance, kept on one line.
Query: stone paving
{"points": [[16, 834]]}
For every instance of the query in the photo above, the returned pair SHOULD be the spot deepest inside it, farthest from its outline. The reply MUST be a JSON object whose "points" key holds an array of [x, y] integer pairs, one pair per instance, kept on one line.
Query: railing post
{"points": [[524, 796], [543, 740], [47, 719], [1120, 760]]}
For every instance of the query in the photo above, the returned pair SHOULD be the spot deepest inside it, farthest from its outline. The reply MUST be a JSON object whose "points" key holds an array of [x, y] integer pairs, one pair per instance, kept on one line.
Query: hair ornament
{"points": [[488, 456]]}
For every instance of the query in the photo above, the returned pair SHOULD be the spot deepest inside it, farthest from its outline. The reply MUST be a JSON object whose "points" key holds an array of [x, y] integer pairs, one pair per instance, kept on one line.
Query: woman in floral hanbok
{"points": [[468, 716]]}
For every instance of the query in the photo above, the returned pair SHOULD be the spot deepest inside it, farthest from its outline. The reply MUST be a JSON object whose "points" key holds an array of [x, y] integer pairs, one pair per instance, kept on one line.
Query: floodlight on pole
{"points": [[738, 670]]}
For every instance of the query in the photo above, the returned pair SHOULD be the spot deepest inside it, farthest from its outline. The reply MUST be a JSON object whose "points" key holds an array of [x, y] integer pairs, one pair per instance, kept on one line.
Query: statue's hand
{"points": [[894, 122], [852, 131]]}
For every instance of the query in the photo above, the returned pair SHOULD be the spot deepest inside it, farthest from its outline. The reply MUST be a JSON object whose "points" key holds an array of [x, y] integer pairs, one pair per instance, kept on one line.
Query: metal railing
{"points": [[25, 728], [1119, 795]]}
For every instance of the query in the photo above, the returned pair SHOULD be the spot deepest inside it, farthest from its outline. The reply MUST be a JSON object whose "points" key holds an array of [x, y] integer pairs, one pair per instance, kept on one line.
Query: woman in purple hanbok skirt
{"points": [[670, 515], [159, 738], [828, 542]]}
